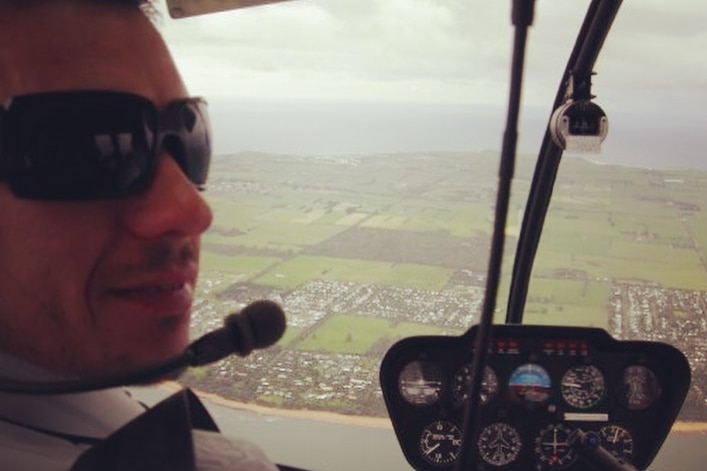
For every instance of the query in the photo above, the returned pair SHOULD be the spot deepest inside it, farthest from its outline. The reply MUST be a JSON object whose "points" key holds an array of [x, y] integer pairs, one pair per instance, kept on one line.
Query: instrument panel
{"points": [[541, 386]]}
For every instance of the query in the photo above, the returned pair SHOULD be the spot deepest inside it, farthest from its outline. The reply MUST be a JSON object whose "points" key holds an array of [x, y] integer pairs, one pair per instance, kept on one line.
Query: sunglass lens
{"points": [[98, 149], [189, 138]]}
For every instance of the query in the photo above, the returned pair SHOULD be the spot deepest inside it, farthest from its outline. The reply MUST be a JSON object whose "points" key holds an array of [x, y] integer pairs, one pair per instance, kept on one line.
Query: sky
{"points": [[362, 76]]}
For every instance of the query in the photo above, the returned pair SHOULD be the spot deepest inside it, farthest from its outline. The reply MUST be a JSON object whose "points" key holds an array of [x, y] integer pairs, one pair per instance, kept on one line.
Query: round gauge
{"points": [[583, 386], [640, 388], [617, 441], [420, 383], [499, 444], [552, 447], [440, 442], [462, 380], [531, 383]]}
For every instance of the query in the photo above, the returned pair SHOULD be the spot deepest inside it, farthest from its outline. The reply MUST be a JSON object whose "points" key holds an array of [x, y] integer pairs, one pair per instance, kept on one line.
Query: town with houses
{"points": [[285, 376], [361, 199]]}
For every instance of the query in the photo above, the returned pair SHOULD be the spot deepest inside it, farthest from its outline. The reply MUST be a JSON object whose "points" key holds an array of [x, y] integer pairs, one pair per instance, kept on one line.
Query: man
{"points": [[99, 242]]}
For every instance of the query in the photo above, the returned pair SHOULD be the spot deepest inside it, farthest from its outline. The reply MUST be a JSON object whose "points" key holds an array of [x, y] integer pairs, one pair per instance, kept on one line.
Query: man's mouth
{"points": [[153, 289], [158, 298]]}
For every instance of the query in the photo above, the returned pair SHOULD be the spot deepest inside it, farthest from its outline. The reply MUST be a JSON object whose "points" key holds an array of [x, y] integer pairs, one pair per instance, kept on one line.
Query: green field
{"points": [[418, 221], [346, 333], [249, 266], [301, 269], [365, 250]]}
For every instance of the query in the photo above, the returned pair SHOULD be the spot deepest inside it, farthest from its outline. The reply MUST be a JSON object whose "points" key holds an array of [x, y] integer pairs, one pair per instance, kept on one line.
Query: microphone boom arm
{"points": [[258, 325]]}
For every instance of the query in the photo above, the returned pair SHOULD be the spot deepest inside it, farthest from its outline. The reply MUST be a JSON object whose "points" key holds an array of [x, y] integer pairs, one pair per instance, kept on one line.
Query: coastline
{"points": [[689, 427], [362, 421], [318, 415]]}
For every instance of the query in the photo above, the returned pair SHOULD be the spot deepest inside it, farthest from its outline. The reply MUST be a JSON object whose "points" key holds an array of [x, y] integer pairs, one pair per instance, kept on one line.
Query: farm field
{"points": [[419, 219], [363, 250]]}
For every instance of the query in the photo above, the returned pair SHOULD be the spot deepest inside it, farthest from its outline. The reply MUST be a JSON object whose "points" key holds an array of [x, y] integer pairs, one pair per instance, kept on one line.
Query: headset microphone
{"points": [[258, 325]]}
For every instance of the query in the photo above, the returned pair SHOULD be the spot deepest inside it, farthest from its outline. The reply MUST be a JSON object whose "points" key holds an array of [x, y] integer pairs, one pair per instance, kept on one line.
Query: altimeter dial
{"points": [[583, 386]]}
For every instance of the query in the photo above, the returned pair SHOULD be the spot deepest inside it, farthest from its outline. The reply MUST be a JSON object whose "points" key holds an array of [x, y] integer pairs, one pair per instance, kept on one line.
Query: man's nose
{"points": [[171, 205]]}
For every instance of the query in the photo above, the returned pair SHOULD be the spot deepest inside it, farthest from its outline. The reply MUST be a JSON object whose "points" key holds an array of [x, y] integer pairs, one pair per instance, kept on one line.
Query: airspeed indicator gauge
{"points": [[462, 381]]}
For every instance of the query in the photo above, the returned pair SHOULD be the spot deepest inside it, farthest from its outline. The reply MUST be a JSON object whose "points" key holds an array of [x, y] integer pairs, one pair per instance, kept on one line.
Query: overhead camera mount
{"points": [[579, 125]]}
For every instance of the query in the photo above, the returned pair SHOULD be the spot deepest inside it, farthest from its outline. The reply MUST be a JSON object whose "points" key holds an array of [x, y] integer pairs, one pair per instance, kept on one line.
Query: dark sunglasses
{"points": [[86, 145]]}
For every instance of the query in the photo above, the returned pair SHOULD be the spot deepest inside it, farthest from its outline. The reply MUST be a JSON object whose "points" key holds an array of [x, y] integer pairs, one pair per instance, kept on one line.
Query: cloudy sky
{"points": [[341, 76]]}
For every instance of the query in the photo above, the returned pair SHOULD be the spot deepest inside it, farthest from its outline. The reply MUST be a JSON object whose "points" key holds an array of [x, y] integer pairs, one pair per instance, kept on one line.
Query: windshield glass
{"points": [[357, 147]]}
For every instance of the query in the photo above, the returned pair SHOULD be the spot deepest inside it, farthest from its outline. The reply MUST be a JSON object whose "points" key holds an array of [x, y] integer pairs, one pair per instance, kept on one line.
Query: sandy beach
{"points": [[377, 422], [324, 416]]}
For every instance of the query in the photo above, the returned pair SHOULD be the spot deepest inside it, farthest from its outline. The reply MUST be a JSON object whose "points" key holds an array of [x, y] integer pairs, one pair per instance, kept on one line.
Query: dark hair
{"points": [[142, 4], [147, 6]]}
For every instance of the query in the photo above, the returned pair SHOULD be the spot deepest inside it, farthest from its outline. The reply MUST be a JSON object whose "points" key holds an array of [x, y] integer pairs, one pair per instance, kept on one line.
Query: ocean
{"points": [[303, 127], [323, 445]]}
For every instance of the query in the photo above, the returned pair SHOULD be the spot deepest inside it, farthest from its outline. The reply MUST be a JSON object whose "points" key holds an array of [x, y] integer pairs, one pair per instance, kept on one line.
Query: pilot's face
{"points": [[94, 287]]}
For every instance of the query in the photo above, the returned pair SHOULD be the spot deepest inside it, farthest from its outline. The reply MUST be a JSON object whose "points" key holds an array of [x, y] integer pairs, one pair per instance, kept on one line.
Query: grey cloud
{"points": [[448, 48]]}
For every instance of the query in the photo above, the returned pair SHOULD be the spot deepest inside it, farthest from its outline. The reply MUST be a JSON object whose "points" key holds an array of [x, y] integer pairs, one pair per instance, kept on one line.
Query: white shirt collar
{"points": [[93, 414]]}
